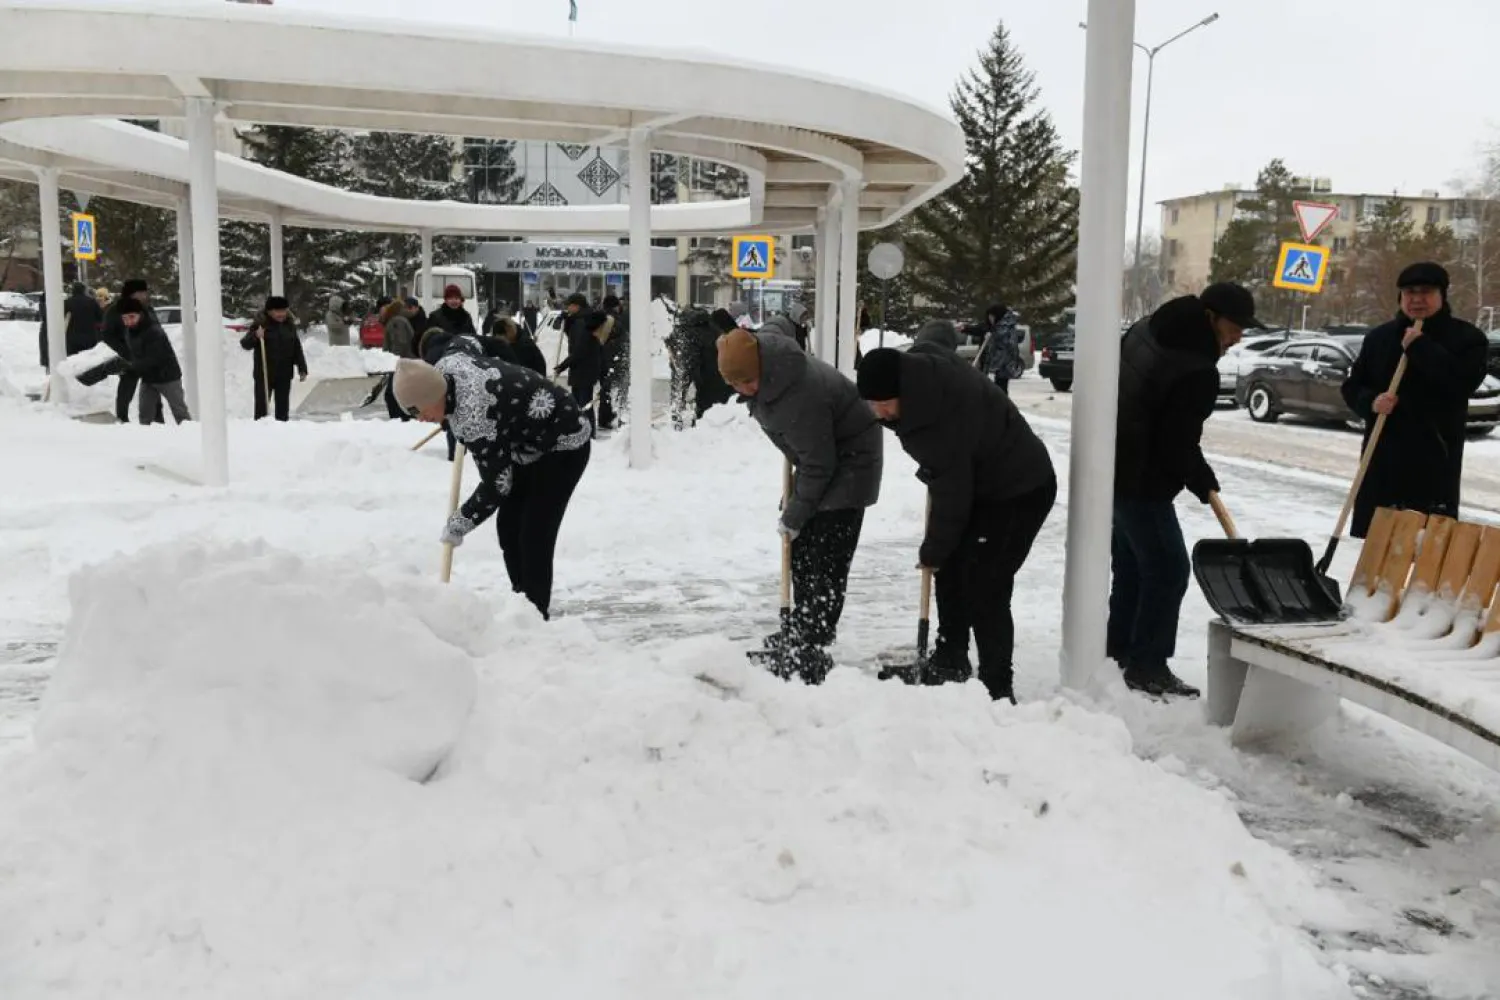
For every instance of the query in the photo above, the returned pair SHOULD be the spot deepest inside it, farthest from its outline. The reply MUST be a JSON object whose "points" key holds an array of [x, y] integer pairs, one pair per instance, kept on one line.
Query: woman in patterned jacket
{"points": [[529, 441]]}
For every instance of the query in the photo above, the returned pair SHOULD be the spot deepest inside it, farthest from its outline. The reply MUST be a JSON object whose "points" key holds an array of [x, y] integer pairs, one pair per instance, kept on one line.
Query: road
{"points": [[1291, 443]]}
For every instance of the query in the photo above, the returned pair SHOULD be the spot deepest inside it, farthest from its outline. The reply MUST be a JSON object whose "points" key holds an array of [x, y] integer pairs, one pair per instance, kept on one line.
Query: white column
{"points": [[278, 258], [828, 280], [848, 275], [52, 273], [640, 299], [427, 290], [187, 297], [1104, 172], [204, 198]]}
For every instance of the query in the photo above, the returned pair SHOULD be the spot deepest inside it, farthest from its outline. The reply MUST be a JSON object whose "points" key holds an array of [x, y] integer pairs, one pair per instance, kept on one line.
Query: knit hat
{"points": [[879, 375], [723, 321], [739, 357], [417, 385], [130, 306], [453, 292], [1426, 274], [277, 302]]}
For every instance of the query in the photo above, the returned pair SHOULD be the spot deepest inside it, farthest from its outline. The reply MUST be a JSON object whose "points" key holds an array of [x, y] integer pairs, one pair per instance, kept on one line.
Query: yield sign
{"points": [[1313, 217]]}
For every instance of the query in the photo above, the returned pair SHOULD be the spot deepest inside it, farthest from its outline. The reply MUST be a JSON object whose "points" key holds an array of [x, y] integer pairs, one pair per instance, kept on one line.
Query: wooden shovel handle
{"points": [[1364, 460], [786, 541], [1222, 513], [435, 432], [455, 484]]}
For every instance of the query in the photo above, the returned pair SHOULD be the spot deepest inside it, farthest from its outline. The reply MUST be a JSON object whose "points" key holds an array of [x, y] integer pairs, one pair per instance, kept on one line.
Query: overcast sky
{"points": [[1378, 95]]}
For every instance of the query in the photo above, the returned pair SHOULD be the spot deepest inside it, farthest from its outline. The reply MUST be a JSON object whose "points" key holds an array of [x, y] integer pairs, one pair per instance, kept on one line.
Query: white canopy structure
{"points": [[821, 156]]}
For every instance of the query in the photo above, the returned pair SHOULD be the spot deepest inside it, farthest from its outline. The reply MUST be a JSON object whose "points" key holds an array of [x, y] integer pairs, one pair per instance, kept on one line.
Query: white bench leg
{"points": [[1274, 706], [1226, 677]]}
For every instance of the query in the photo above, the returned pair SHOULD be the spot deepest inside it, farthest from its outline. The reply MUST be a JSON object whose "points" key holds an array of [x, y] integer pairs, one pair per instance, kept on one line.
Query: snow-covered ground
{"points": [[217, 706]]}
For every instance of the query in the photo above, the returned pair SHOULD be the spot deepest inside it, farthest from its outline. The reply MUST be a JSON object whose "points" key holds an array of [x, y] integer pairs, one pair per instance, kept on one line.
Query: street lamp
{"points": [[1140, 215]]}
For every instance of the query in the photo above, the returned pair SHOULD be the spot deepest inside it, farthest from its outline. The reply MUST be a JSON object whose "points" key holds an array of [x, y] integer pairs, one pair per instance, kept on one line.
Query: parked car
{"points": [[14, 305], [1305, 376], [1494, 365], [1240, 358], [1056, 365]]}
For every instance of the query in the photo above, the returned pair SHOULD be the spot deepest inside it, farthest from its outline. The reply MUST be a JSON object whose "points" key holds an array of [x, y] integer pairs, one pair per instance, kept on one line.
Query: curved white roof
{"points": [[793, 133]]}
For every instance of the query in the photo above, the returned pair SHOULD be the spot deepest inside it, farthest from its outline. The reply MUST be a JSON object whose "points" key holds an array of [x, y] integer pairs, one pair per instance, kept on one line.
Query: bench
{"points": [[1421, 645]]}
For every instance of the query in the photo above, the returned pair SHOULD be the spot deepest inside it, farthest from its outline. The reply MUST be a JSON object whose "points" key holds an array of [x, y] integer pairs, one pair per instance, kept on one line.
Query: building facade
{"points": [[1191, 225]]}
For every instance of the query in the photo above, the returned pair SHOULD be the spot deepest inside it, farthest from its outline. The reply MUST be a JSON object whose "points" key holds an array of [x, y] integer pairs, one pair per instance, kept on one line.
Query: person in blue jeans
{"points": [[1169, 383]]}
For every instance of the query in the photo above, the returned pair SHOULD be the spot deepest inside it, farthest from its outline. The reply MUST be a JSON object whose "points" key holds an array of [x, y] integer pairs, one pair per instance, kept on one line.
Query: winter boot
{"points": [[812, 664], [949, 664], [1155, 679], [777, 653]]}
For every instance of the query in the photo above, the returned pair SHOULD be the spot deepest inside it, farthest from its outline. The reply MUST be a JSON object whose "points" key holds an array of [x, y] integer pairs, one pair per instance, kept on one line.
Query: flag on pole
{"points": [[572, 10]]}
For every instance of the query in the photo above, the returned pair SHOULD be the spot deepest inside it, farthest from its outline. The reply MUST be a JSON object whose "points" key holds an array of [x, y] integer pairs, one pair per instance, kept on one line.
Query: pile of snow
{"points": [[871, 339], [177, 655], [218, 805]]}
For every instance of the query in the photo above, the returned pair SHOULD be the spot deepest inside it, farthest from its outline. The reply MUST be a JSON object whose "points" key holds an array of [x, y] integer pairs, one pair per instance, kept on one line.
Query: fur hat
{"points": [[132, 286], [277, 302], [453, 292], [417, 385], [1426, 274], [880, 374], [739, 357]]}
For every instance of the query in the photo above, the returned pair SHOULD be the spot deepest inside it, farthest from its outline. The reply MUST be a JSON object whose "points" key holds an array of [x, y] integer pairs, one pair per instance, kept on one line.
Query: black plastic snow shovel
{"points": [[911, 671], [1262, 582]]}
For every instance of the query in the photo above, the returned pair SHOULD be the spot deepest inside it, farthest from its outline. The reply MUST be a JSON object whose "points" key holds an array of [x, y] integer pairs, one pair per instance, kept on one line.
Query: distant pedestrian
{"points": [[154, 362], [277, 347]]}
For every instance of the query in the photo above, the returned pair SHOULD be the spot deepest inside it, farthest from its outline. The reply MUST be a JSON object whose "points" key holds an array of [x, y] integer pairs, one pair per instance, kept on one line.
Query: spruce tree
{"points": [[1007, 232], [493, 178], [1248, 248], [318, 263], [135, 241], [426, 168]]}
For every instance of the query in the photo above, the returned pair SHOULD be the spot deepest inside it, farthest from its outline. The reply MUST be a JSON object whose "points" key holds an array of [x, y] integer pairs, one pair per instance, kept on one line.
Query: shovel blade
{"points": [[1264, 582]]}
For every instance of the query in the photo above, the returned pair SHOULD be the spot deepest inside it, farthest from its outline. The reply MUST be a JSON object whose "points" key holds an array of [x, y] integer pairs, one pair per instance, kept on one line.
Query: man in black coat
{"points": [[585, 359], [85, 319], [1419, 461], [991, 485], [522, 347], [113, 335], [815, 418], [1169, 384], [278, 350], [154, 362], [614, 360]]}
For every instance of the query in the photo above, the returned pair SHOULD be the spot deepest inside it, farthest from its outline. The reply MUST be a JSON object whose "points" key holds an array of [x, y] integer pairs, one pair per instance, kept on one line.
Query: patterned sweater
{"points": [[506, 416]]}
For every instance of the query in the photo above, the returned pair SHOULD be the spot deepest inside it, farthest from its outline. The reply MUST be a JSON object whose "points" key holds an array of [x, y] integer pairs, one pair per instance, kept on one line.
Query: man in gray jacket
{"points": [[815, 417]]}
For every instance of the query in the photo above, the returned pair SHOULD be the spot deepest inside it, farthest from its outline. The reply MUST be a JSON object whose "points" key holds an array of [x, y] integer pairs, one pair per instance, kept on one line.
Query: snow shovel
{"points": [[778, 660], [912, 672], [1359, 476], [454, 485], [1269, 581], [265, 371]]}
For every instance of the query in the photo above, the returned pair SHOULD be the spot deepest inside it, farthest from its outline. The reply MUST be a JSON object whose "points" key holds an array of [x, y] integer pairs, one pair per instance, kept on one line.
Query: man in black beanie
{"points": [[277, 346], [1419, 461], [991, 485], [113, 334]]}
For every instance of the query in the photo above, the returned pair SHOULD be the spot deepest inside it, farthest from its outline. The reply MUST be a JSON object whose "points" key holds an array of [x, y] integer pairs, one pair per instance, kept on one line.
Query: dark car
{"points": [[1305, 378], [1494, 365], [1056, 365]]}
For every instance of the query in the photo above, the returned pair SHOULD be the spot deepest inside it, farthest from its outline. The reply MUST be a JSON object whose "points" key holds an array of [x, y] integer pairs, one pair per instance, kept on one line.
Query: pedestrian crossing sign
{"points": [[85, 241], [1301, 267], [752, 257]]}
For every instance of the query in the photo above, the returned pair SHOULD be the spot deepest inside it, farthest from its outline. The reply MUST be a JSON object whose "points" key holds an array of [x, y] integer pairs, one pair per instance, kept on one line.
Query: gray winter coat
{"points": [[941, 332], [338, 327], [815, 417]]}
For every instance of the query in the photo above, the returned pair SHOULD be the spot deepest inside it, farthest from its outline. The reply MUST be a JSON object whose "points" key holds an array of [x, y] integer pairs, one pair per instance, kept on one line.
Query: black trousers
{"points": [[820, 573], [124, 393], [529, 519], [583, 395], [975, 585], [281, 394]]}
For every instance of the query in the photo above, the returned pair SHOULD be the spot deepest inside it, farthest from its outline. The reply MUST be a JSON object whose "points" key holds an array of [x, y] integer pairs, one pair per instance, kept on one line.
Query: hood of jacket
{"points": [[1182, 325], [780, 324], [782, 364], [941, 332], [335, 303]]}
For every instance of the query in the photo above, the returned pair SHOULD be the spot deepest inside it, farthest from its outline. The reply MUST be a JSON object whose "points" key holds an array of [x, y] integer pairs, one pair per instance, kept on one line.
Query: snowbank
{"points": [[217, 806], [871, 339]]}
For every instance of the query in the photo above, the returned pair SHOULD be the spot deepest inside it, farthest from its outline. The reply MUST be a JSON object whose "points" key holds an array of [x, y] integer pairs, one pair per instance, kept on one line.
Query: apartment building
{"points": [[1191, 225]]}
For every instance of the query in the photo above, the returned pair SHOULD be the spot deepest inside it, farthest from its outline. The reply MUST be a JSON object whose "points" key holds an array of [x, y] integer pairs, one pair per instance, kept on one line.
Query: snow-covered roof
{"points": [[793, 133]]}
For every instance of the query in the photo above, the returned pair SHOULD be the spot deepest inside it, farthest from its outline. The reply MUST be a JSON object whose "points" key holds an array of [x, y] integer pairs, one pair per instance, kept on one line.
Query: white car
{"points": [[14, 305]]}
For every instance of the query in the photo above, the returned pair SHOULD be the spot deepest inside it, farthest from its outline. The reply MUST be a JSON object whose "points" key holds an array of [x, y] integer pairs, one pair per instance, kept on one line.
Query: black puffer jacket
{"points": [[1169, 383], [1419, 461], [150, 352], [283, 347], [85, 321], [585, 361], [505, 415], [815, 417], [971, 444]]}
